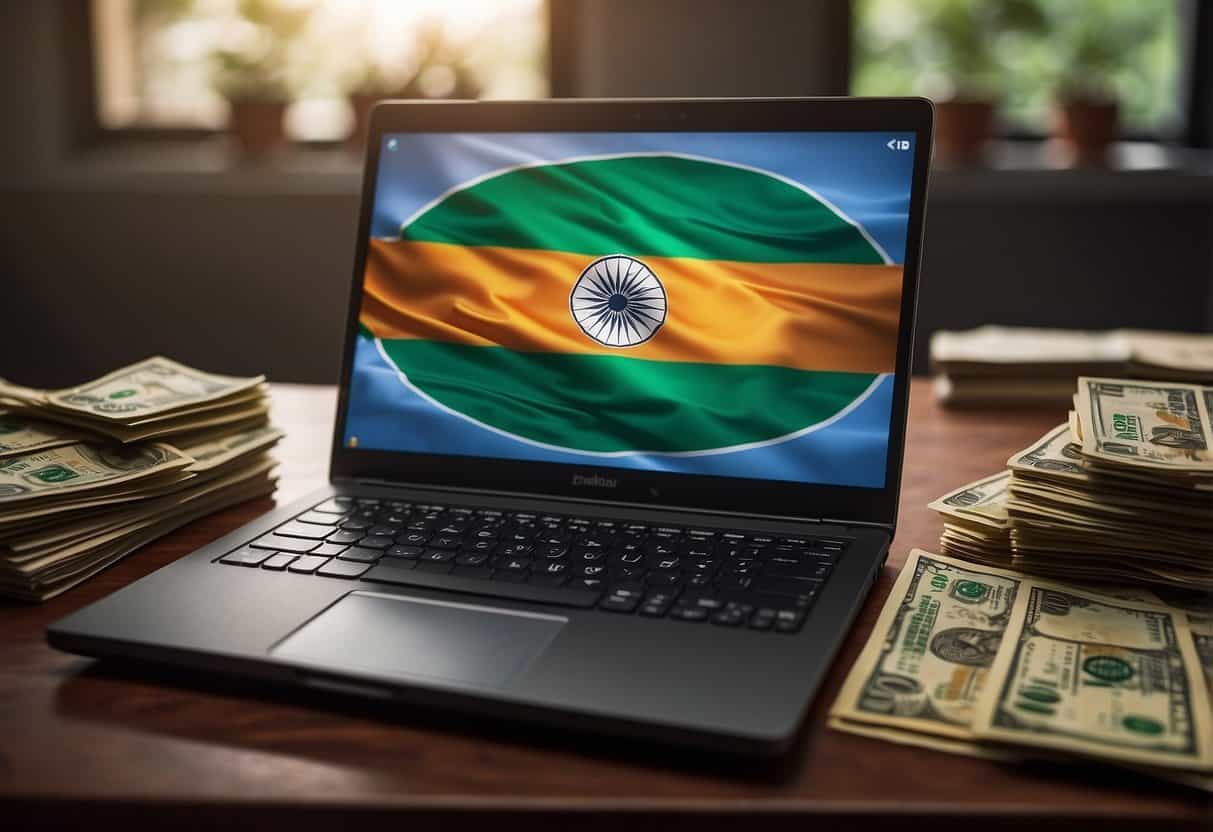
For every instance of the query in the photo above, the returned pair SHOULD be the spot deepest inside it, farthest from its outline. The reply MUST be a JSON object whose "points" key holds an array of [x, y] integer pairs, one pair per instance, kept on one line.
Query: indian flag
{"points": [[635, 303]]}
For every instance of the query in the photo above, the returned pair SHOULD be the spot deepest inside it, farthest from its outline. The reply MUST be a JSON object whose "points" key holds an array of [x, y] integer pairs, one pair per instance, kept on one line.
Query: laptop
{"points": [[620, 424]]}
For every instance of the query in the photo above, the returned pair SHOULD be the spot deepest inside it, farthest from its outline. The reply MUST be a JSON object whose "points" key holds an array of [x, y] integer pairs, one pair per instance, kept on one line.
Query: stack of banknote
{"points": [[1121, 493], [1017, 366], [91, 473], [988, 662]]}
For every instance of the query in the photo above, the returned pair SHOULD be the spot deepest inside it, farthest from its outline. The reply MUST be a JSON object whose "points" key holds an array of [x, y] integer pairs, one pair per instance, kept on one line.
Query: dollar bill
{"points": [[982, 502], [1202, 638], [154, 386], [1095, 676], [925, 665], [23, 435], [1159, 426], [81, 467], [212, 453]]}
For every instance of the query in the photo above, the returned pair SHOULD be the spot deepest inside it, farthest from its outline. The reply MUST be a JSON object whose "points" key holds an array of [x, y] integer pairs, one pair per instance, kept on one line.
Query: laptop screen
{"points": [[720, 304]]}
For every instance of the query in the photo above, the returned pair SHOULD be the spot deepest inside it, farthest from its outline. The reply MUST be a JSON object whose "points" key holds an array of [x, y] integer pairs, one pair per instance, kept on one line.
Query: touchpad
{"points": [[391, 636]]}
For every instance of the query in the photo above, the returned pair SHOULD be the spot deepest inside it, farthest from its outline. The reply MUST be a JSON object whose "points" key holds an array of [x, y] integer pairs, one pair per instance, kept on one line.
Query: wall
{"points": [[238, 270]]}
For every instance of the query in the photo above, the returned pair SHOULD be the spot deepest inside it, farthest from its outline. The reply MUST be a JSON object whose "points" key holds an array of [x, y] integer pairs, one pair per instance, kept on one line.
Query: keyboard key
{"points": [[368, 502], [510, 577], [797, 571], [762, 620], [309, 530], [661, 578], [285, 544], [657, 604], [789, 621], [782, 586], [620, 600], [547, 579], [734, 583], [628, 573], [512, 550], [568, 596], [319, 518], [277, 562], [343, 569], [361, 555], [245, 556], [514, 564], [688, 614], [307, 565], [336, 505], [479, 559], [482, 573], [435, 566], [328, 550], [406, 552], [413, 538], [356, 524], [445, 541], [388, 529], [438, 555], [344, 536], [590, 584], [376, 541], [727, 618]]}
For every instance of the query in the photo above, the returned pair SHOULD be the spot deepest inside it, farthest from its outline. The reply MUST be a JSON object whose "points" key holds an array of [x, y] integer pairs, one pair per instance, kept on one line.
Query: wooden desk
{"points": [[86, 743]]}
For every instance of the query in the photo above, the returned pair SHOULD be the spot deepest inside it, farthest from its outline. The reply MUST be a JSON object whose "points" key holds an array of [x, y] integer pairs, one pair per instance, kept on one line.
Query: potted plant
{"points": [[1086, 103], [251, 72], [257, 96], [958, 39]]}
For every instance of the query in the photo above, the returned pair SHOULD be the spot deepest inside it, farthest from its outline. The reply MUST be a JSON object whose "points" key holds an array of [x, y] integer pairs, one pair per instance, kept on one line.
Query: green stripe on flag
{"points": [[606, 403], [662, 206]]}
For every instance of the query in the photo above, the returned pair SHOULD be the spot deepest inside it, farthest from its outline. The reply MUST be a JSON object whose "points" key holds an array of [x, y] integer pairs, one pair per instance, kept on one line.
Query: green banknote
{"points": [[1156, 425], [153, 386], [1091, 675], [212, 453], [82, 467], [21, 435], [983, 502], [925, 665]]}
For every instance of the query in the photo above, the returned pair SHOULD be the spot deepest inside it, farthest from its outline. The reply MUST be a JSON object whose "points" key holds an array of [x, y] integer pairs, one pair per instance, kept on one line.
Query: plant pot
{"points": [[962, 128], [257, 126], [361, 103], [1086, 128]]}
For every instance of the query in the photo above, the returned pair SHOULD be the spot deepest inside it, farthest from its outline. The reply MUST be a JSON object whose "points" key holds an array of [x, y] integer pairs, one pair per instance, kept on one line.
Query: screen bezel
{"points": [[712, 493]]}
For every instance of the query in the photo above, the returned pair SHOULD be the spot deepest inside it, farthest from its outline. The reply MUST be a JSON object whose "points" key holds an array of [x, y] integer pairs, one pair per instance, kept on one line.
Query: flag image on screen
{"points": [[636, 303]]}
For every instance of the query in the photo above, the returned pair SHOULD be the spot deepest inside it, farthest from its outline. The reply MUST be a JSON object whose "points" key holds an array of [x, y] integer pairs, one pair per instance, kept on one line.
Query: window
{"points": [[1025, 53], [178, 63]]}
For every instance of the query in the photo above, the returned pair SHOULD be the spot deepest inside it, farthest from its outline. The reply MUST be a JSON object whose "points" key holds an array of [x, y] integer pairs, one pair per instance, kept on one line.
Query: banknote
{"points": [[982, 502], [1095, 676], [924, 667], [22, 435], [215, 452], [948, 745], [77, 468], [154, 386], [1155, 425]]}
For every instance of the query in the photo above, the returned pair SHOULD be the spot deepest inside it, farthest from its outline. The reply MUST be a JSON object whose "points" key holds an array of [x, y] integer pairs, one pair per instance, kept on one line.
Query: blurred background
{"points": [[182, 176]]}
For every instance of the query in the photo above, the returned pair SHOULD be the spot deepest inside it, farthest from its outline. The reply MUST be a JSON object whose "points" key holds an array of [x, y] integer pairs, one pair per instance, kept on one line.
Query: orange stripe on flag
{"points": [[812, 316]]}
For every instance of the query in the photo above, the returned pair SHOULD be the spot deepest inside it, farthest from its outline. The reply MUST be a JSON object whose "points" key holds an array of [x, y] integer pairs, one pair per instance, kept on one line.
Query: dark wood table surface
{"points": [[85, 742]]}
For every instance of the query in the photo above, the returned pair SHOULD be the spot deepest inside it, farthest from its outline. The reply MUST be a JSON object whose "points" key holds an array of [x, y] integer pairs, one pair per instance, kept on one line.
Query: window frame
{"points": [[85, 130]]}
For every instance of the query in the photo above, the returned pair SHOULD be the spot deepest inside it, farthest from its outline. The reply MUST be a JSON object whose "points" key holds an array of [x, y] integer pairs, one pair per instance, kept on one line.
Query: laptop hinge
{"points": [[381, 483]]}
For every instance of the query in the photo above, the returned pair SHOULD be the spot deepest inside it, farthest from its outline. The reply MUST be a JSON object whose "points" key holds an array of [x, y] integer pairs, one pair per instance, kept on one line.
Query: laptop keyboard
{"points": [[732, 578]]}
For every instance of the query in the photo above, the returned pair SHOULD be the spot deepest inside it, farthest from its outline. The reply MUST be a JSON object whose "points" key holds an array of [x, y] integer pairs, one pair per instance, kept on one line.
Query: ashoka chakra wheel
{"points": [[618, 301]]}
